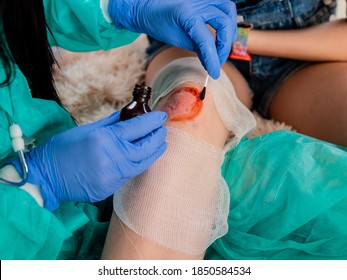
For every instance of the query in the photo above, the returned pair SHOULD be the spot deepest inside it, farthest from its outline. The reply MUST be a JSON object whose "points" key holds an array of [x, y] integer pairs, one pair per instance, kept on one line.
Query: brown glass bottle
{"points": [[139, 104]]}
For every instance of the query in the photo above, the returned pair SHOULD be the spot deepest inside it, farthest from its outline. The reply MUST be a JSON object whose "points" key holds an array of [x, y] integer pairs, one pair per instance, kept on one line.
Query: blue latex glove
{"points": [[90, 162], [182, 23]]}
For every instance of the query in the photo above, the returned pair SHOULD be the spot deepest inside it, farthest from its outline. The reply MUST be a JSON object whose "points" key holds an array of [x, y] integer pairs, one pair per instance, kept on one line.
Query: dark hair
{"points": [[25, 43]]}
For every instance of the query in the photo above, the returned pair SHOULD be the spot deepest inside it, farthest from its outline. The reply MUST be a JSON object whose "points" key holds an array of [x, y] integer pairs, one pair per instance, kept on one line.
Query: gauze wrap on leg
{"points": [[182, 202]]}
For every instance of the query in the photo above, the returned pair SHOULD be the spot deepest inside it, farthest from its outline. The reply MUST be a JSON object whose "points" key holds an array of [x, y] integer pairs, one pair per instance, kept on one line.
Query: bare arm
{"points": [[325, 42]]}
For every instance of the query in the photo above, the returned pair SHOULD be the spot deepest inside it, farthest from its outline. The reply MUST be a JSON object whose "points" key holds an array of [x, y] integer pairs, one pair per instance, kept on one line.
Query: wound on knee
{"points": [[183, 104]]}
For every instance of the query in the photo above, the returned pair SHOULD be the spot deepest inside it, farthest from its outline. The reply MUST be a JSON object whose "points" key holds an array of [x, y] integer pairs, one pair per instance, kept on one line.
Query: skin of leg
{"points": [[121, 241], [314, 102]]}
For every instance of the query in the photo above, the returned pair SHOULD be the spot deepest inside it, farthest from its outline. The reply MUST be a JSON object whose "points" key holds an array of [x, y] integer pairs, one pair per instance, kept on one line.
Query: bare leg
{"points": [[314, 102], [124, 243], [121, 241]]}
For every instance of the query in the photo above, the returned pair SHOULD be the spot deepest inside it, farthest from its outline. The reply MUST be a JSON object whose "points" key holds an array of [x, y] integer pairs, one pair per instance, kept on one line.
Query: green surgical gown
{"points": [[288, 200], [28, 231]]}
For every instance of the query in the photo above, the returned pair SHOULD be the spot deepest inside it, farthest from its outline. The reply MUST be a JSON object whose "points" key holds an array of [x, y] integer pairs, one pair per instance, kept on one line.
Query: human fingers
{"points": [[225, 28], [226, 6], [205, 46], [147, 146], [147, 162], [140, 126], [109, 120]]}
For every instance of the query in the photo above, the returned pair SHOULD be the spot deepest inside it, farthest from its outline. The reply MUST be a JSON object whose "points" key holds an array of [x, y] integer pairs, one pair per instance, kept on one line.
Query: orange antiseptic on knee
{"points": [[183, 105]]}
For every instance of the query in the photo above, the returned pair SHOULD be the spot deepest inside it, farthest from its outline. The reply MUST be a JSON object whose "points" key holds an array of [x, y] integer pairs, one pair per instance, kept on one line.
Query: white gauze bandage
{"points": [[182, 202]]}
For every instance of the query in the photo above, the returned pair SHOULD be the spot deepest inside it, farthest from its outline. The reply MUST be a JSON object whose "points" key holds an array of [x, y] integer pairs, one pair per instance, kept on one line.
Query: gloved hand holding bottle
{"points": [[182, 23], [90, 162]]}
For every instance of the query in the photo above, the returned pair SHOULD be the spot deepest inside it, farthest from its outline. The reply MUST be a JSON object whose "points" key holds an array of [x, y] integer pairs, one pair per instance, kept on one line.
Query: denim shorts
{"points": [[265, 75]]}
